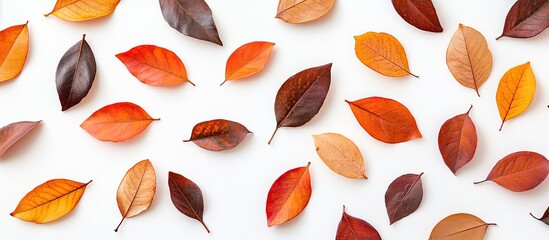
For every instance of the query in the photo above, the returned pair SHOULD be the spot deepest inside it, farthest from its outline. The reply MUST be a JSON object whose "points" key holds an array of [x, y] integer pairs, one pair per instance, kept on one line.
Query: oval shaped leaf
{"points": [[526, 18], [247, 60], [117, 122], [457, 141], [218, 134], [382, 53], [187, 197], [136, 190], [519, 171], [403, 196], [515, 92], [75, 74], [385, 119], [14, 47], [82, 10], [299, 98], [460, 226], [544, 218], [50, 201], [12, 132], [155, 66], [288, 196], [419, 13], [469, 58], [193, 18], [301, 11], [352, 228], [340, 154]]}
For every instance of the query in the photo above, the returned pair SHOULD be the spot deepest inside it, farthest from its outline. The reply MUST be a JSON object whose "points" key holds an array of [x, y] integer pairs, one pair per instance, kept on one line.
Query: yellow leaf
{"points": [[515, 92], [14, 46], [82, 10], [50, 201], [340, 154]]}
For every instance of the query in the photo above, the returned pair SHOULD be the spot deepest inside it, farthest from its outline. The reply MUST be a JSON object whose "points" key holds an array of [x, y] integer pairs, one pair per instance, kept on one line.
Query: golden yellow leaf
{"points": [[50, 201], [515, 92], [82, 10], [14, 46], [300, 11], [340, 154]]}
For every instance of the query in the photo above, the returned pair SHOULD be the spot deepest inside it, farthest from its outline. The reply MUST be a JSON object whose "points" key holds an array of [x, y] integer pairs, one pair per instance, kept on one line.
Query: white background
{"points": [[235, 183]]}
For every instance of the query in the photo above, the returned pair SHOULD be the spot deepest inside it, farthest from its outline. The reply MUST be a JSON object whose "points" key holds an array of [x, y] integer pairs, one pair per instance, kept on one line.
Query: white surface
{"points": [[235, 183]]}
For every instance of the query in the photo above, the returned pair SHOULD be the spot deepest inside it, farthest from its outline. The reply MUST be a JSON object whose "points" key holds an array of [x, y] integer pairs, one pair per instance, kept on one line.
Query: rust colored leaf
{"points": [[82, 10], [11, 133], [515, 92], [155, 66], [340, 154], [352, 228], [14, 47], [288, 196], [419, 13], [50, 201], [299, 98], [117, 122], [460, 226], [526, 18], [136, 190], [247, 60], [385, 119], [218, 134], [544, 218], [75, 74], [403, 196], [519, 171], [382, 53], [187, 197], [469, 58], [193, 18], [301, 11], [457, 141]]}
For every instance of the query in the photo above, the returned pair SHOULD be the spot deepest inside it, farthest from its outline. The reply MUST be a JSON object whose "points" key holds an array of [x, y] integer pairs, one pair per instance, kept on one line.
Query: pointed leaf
{"points": [[117, 122], [14, 47], [515, 92], [11, 133], [340, 154], [352, 228], [82, 10], [403, 196], [301, 11], [187, 197], [544, 218], [419, 13], [247, 60], [526, 18], [460, 226], [218, 134], [457, 141]]}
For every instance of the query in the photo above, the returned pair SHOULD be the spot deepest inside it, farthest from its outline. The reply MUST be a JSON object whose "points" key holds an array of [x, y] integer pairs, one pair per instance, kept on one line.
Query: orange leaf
{"points": [[515, 92], [301, 11], [14, 46], [117, 122], [461, 226], [82, 10], [248, 60]]}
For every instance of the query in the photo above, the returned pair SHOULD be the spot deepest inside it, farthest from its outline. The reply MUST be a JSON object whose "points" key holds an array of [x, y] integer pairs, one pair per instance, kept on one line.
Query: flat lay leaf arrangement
{"points": [[299, 99]]}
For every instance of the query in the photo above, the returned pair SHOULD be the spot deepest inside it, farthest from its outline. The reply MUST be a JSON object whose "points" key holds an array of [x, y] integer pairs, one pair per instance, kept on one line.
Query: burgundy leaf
{"points": [[11, 133], [351, 228], [218, 134], [457, 141], [403, 196], [526, 18], [186, 197], [419, 13]]}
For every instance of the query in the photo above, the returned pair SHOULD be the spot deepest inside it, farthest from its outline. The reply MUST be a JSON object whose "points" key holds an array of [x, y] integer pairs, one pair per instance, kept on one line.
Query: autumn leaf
{"points": [[288, 196], [14, 47], [403, 196], [544, 218], [13, 132], [515, 92], [469, 58], [299, 98], [218, 134], [526, 18], [75, 74], [82, 10], [136, 190], [193, 18], [301, 11], [247, 60], [117, 122], [340, 154], [460, 226], [519, 171], [155, 66], [50, 201], [382, 53], [352, 228], [419, 13], [187, 197], [457, 141], [385, 119]]}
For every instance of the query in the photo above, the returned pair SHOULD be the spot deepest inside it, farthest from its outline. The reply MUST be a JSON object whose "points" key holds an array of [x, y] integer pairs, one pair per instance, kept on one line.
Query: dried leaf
{"points": [[11, 133], [382, 53], [117, 122], [469, 58], [301, 11], [544, 218], [519, 171], [457, 141], [385, 119], [136, 190], [515, 92], [340, 154], [187, 197], [288, 196], [460, 226], [14, 47], [218, 134], [403, 196], [82, 10], [352, 228], [419, 13], [193, 18], [299, 98], [75, 74], [247, 60], [50, 201], [155, 66], [526, 18]]}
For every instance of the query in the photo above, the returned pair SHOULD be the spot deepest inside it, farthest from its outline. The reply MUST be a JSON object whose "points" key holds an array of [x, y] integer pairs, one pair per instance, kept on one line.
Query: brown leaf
{"points": [[352, 228], [340, 154], [247, 60], [460, 226], [526, 18], [419, 13], [187, 197], [218, 134], [515, 92], [403, 196], [457, 141], [82, 10], [11, 133], [14, 47], [301, 11], [544, 218]]}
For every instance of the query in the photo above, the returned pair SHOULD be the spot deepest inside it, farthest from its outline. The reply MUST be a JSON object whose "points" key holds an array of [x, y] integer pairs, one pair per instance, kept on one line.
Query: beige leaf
{"points": [[300, 11], [340, 154], [460, 226]]}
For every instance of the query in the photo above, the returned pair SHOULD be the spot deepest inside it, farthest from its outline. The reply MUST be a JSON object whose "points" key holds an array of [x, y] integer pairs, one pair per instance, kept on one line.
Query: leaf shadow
{"points": [[87, 23], [22, 144]]}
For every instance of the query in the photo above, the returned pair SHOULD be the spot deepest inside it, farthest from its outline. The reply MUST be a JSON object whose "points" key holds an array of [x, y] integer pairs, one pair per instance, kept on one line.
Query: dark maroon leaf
{"points": [[192, 18], [403, 196], [11, 133], [526, 18], [457, 141], [186, 197], [352, 228], [218, 134], [419, 13], [75, 74], [544, 218]]}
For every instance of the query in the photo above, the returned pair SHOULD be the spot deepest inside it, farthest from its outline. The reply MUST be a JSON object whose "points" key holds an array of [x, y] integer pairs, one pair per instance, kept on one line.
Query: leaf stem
{"points": [[499, 37], [468, 111], [500, 127], [223, 82], [191, 83], [204, 224], [480, 181], [535, 217], [270, 140], [117, 227], [416, 76]]}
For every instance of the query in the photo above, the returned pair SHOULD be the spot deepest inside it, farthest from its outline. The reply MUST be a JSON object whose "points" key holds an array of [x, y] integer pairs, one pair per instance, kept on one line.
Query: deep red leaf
{"points": [[526, 18], [186, 197], [457, 141], [420, 13], [352, 228], [403, 196]]}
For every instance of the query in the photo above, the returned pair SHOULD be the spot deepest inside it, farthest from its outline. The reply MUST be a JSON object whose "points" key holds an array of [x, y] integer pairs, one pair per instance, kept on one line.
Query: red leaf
{"points": [[526, 18], [351, 228], [403, 196], [420, 13], [457, 141], [187, 197]]}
